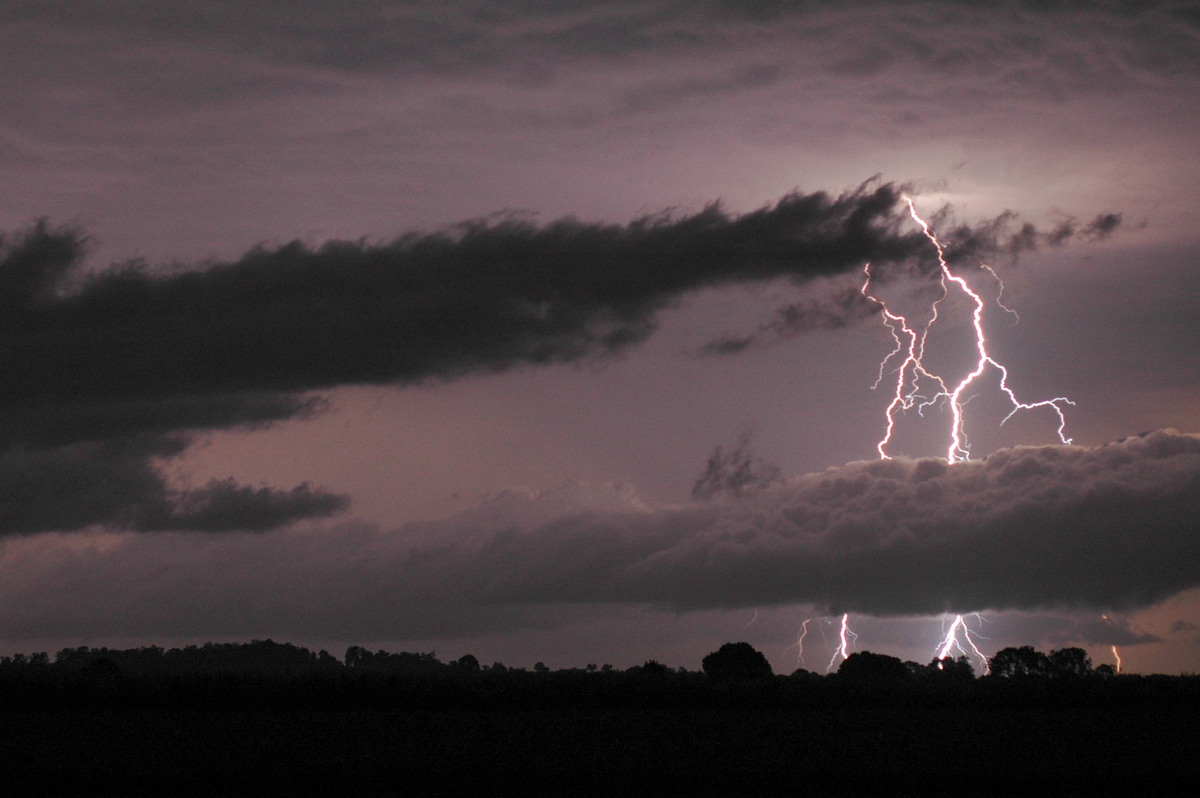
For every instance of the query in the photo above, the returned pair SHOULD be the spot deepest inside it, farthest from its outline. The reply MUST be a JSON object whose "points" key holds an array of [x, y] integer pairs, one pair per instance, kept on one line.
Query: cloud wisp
{"points": [[1029, 528]]}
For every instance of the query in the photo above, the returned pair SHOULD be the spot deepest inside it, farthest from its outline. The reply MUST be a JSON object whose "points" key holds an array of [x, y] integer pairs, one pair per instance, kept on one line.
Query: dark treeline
{"points": [[277, 719], [267, 674]]}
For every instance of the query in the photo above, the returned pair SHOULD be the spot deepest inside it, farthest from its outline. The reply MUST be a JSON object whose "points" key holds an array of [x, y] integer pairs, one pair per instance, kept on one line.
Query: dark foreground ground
{"points": [[858, 749], [272, 719]]}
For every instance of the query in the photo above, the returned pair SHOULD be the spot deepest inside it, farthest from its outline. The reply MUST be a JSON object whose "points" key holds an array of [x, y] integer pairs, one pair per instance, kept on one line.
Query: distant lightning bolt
{"points": [[950, 642], [1116, 654], [846, 638], [910, 342], [799, 644]]}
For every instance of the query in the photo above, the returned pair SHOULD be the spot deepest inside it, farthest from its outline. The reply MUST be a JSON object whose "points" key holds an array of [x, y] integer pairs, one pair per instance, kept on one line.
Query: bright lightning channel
{"points": [[1118, 657], [951, 642], [910, 342], [846, 638]]}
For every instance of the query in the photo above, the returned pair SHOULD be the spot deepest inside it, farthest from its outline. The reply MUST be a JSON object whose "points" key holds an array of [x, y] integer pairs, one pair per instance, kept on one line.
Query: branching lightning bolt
{"points": [[910, 342], [911, 374], [951, 643]]}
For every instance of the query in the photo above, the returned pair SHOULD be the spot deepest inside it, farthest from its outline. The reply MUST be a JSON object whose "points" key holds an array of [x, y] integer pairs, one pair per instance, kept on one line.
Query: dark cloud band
{"points": [[115, 484], [483, 297], [1030, 528]]}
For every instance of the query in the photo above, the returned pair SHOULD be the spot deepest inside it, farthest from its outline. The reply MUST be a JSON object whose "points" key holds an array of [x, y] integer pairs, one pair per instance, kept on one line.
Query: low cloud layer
{"points": [[1029, 528]]}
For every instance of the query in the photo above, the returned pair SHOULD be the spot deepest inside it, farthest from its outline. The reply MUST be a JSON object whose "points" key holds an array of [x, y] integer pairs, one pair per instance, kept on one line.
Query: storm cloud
{"points": [[1028, 528], [106, 370], [483, 297], [116, 484]]}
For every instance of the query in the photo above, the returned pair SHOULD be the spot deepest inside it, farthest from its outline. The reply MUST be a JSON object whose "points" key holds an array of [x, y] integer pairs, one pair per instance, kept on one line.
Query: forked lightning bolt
{"points": [[911, 374], [951, 643], [910, 343]]}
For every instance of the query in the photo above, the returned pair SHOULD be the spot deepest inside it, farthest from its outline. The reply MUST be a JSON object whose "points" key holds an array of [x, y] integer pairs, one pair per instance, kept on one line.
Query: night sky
{"points": [[535, 330]]}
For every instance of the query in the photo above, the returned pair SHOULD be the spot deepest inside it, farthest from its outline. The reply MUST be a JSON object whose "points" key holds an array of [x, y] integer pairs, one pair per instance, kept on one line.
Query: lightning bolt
{"points": [[799, 644], [1118, 656], [951, 643], [911, 374], [910, 347], [846, 639]]}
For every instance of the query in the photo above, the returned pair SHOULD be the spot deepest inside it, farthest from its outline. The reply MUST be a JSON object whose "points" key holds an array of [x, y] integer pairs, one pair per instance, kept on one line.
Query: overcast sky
{"points": [[419, 327]]}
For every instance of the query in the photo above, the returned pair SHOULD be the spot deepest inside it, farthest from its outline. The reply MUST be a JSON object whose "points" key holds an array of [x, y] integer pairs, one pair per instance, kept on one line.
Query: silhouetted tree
{"points": [[654, 668], [360, 658], [1070, 662], [951, 669], [1025, 661], [736, 662], [355, 656], [868, 666]]}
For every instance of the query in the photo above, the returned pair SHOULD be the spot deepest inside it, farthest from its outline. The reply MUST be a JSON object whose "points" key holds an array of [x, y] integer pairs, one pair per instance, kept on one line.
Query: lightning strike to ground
{"points": [[799, 644], [1118, 658], [911, 374], [951, 642], [846, 639]]}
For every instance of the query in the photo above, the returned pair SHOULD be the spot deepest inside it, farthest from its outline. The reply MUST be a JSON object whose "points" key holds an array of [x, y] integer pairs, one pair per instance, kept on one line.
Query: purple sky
{"points": [[474, 425]]}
